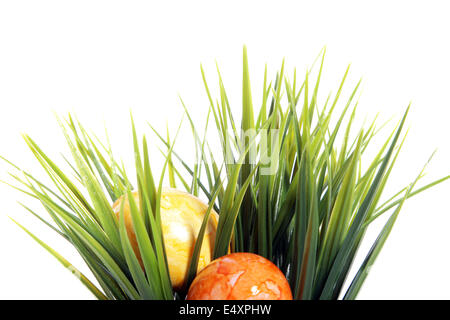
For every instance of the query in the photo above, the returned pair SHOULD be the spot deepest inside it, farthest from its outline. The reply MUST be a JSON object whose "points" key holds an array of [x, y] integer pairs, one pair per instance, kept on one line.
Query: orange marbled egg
{"points": [[240, 276]]}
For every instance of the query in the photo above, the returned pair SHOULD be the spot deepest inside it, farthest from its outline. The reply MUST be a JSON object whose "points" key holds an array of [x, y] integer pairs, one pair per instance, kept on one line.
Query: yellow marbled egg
{"points": [[181, 219]]}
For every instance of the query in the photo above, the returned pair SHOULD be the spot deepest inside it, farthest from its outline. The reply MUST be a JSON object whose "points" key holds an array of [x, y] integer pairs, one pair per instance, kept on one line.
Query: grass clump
{"points": [[291, 184]]}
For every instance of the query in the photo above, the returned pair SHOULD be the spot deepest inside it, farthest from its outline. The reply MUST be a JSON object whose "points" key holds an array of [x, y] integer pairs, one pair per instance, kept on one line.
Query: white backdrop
{"points": [[101, 59]]}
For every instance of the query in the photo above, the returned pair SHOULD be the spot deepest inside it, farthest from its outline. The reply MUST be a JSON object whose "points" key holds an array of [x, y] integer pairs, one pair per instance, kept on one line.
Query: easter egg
{"points": [[181, 218], [240, 276]]}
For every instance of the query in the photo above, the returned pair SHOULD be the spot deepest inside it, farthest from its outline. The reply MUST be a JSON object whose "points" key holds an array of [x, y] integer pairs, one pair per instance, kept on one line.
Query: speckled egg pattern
{"points": [[240, 276], [181, 219]]}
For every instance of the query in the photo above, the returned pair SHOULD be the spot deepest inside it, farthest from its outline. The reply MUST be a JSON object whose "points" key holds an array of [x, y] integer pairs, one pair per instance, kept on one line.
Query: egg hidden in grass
{"points": [[240, 276], [181, 219]]}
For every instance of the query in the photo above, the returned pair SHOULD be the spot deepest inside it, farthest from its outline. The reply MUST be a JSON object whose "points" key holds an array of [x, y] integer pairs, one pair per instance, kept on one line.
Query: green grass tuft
{"points": [[289, 185]]}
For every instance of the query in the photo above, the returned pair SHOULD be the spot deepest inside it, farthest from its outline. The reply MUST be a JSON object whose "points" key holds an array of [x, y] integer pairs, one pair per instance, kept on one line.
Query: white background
{"points": [[101, 59]]}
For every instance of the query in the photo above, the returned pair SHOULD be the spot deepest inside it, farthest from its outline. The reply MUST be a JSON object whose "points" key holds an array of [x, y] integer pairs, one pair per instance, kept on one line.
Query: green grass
{"points": [[308, 214]]}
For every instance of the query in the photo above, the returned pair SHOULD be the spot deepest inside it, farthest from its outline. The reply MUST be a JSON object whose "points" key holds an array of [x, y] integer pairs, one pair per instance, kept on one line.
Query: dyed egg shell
{"points": [[181, 219], [240, 276]]}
